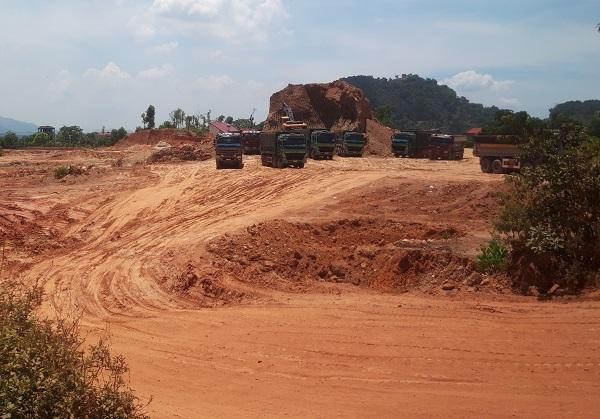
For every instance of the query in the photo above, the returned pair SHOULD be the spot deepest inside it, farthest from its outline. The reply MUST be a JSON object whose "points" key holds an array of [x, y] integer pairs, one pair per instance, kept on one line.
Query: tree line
{"points": [[196, 122], [67, 136]]}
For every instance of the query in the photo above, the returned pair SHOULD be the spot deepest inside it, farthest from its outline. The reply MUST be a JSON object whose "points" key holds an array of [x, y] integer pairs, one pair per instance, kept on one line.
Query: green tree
{"points": [[118, 134], [177, 117], [69, 136], [221, 118], [143, 116], [40, 139], [166, 124], [594, 126], [189, 119], [552, 211], [384, 115], [149, 120], [10, 140], [229, 120]]}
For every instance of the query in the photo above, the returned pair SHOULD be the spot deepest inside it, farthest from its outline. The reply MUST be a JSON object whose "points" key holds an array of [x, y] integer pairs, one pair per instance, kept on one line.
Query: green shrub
{"points": [[44, 371], [553, 207], [493, 257], [61, 171]]}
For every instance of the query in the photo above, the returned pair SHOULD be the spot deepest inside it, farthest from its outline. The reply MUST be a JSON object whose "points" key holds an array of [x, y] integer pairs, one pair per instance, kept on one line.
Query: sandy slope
{"points": [[313, 351]]}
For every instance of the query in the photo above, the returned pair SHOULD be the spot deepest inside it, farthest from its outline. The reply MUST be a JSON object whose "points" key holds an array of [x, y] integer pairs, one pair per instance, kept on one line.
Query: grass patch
{"points": [[61, 171], [493, 257]]}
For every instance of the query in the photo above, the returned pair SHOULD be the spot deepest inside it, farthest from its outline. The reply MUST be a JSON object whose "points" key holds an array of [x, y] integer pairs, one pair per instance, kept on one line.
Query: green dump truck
{"points": [[228, 150], [411, 143], [283, 149], [350, 143], [322, 144]]}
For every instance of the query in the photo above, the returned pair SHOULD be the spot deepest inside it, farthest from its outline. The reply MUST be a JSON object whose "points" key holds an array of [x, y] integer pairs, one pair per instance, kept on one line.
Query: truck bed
{"points": [[495, 150]]}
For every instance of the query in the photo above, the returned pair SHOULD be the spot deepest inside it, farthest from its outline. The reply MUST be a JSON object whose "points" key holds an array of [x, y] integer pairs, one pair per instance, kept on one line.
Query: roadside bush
{"points": [[61, 171], [493, 257], [44, 371], [552, 210]]}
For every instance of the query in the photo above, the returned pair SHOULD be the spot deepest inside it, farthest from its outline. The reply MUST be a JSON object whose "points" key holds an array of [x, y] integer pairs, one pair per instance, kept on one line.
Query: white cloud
{"points": [[233, 20], [189, 8], [165, 48], [471, 80], [214, 82], [157, 72], [110, 72]]}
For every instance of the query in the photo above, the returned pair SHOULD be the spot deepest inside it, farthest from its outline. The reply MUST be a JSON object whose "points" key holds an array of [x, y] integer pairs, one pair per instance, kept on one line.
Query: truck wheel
{"points": [[486, 165], [300, 165], [497, 166], [219, 166], [262, 160]]}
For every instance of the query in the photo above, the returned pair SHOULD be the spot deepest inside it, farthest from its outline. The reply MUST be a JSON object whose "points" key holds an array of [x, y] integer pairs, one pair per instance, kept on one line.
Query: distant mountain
{"points": [[580, 111], [18, 127], [413, 102]]}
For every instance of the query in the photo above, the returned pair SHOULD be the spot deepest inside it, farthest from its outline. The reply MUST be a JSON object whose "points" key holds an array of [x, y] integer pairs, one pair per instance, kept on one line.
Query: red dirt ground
{"points": [[305, 293]]}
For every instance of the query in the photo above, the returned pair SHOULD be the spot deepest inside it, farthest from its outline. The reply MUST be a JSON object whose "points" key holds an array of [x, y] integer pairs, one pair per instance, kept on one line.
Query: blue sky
{"points": [[100, 63]]}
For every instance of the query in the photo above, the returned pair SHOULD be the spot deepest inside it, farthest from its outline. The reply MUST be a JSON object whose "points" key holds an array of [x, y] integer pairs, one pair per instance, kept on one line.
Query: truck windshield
{"points": [[355, 138], [326, 137], [440, 140], [229, 141], [401, 138], [293, 140]]}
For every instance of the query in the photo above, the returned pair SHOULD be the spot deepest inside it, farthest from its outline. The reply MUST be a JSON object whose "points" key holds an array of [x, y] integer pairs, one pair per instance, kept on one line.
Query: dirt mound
{"points": [[173, 137], [185, 152], [378, 137], [474, 203], [379, 254], [337, 106]]}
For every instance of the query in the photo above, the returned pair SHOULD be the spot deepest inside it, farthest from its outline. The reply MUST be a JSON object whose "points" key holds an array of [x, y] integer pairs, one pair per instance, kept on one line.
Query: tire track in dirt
{"points": [[190, 204]]}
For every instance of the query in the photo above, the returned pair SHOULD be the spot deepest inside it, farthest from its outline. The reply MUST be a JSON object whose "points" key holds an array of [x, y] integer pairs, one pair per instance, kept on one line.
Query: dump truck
{"points": [[322, 144], [228, 150], [445, 147], [251, 142], [283, 149], [497, 154], [350, 143], [411, 143]]}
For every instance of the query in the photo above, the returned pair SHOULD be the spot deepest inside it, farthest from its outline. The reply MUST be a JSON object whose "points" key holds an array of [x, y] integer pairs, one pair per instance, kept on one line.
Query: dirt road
{"points": [[210, 333]]}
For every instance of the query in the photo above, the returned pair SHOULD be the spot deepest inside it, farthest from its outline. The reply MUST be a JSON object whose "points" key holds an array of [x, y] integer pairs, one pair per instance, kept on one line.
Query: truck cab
{"points": [[351, 144], [228, 150], [322, 144], [251, 142], [283, 149], [445, 147], [402, 142]]}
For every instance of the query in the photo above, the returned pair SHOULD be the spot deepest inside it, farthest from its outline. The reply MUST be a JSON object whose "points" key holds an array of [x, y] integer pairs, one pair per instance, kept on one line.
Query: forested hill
{"points": [[583, 112], [413, 102]]}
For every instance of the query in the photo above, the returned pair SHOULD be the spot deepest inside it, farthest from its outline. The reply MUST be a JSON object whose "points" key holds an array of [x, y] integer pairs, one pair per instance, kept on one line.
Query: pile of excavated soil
{"points": [[185, 152], [173, 137], [337, 106], [378, 254], [475, 204], [378, 137]]}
